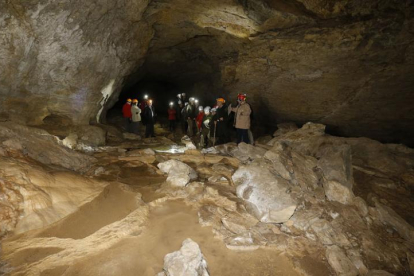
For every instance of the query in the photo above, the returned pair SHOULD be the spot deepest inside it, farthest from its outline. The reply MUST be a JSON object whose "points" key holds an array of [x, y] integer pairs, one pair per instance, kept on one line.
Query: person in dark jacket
{"points": [[149, 119], [191, 114], [221, 119]]}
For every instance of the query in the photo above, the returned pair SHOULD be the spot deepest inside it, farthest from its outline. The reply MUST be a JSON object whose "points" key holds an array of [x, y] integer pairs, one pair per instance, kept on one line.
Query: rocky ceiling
{"points": [[347, 63]]}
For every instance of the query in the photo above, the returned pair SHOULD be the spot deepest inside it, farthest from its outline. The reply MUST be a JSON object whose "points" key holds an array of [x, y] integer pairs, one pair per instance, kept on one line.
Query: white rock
{"points": [[340, 263], [188, 261], [336, 165], [265, 195], [179, 173], [70, 141]]}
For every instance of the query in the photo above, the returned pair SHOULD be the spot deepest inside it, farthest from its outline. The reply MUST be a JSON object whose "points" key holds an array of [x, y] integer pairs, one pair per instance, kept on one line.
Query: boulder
{"points": [[179, 173], [131, 136], [390, 217], [340, 263], [70, 141], [336, 165], [284, 128], [266, 195], [188, 261], [93, 136]]}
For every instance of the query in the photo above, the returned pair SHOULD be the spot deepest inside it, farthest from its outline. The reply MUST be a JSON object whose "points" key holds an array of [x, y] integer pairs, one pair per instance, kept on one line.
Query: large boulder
{"points": [[390, 217], [179, 173], [336, 165], [188, 261], [266, 195], [339, 261], [93, 136]]}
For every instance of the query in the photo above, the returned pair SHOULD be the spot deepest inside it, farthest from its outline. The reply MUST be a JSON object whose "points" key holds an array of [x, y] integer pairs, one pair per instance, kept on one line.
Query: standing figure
{"points": [[221, 121], [172, 116], [126, 113], [242, 119], [149, 120], [205, 127], [191, 115], [199, 118], [136, 117]]}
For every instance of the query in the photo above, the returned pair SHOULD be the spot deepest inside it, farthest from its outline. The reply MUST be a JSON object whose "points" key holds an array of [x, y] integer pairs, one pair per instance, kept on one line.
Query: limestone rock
{"points": [[390, 217], [284, 128], [33, 142], [336, 165], [179, 173], [340, 263], [265, 195], [91, 136], [361, 206], [188, 261], [34, 198]]}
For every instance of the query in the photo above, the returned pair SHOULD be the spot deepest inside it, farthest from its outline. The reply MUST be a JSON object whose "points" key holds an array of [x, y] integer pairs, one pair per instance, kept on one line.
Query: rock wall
{"points": [[345, 64]]}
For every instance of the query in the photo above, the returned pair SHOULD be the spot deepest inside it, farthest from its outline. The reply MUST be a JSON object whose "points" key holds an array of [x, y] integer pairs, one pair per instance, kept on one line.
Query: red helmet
{"points": [[241, 97]]}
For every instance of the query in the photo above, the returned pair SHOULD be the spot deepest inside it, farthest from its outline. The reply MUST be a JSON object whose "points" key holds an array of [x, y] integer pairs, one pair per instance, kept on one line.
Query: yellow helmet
{"points": [[129, 100], [221, 100], [134, 101]]}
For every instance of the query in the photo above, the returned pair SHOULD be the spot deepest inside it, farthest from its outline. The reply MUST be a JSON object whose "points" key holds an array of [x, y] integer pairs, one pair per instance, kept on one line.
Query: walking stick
{"points": [[214, 139]]}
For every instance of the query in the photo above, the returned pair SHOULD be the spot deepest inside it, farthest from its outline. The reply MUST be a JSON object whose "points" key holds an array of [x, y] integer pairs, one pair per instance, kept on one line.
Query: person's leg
{"points": [[239, 135], [245, 136]]}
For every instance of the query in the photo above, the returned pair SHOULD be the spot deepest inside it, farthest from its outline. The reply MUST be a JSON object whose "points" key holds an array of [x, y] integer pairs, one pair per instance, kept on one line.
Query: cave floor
{"points": [[133, 225]]}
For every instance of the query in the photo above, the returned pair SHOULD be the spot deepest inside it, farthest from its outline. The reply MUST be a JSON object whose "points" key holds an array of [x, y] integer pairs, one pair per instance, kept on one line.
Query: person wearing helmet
{"points": [[149, 119], [205, 127], [126, 113], [183, 97], [136, 117], [172, 117], [220, 119], [191, 115], [242, 119], [199, 118]]}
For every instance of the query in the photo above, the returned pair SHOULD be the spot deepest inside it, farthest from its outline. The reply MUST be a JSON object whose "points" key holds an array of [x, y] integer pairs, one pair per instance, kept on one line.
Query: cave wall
{"points": [[344, 63], [67, 57]]}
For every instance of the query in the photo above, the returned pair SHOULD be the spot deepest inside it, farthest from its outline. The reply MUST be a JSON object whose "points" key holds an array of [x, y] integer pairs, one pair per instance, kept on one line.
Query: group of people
{"points": [[213, 125], [134, 114]]}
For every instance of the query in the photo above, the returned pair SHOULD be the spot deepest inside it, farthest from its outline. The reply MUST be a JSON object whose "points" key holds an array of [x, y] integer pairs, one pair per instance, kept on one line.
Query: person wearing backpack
{"points": [[242, 119]]}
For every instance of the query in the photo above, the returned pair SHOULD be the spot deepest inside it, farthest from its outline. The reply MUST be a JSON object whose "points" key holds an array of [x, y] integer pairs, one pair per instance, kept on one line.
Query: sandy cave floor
{"points": [[140, 252]]}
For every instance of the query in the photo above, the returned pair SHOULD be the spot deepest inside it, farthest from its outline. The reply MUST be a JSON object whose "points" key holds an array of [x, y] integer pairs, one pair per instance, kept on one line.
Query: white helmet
{"points": [[191, 99], [207, 109], [186, 103], [180, 102], [213, 109], [200, 108]]}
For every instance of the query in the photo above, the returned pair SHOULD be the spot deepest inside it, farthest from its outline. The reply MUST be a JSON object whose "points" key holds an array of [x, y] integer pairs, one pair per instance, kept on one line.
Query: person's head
{"points": [[220, 102], [179, 96], [135, 102], [129, 101], [200, 109], [171, 105], [196, 102], [241, 98], [180, 103], [149, 102], [183, 95], [191, 101], [207, 110], [213, 111]]}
